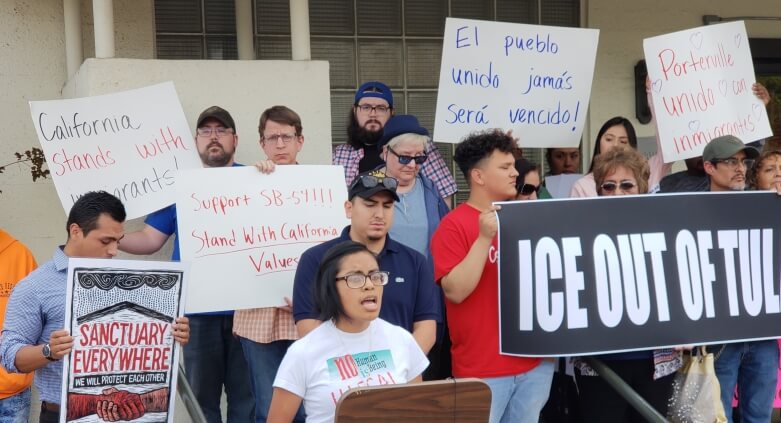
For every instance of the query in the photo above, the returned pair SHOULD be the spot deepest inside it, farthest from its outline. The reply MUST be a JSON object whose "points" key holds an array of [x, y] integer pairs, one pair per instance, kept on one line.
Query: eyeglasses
{"points": [[733, 163], [206, 131], [286, 138], [623, 186], [528, 189], [405, 160], [367, 108], [371, 181], [358, 280]]}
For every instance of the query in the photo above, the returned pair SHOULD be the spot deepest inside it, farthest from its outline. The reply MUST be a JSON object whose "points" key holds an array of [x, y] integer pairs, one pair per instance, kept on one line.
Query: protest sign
{"points": [[129, 144], [535, 80], [120, 314], [244, 231], [701, 88], [638, 273]]}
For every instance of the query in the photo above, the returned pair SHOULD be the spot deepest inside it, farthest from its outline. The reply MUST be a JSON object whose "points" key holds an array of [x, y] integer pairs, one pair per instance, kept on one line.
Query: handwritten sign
{"points": [[129, 144], [701, 88], [647, 272], [123, 365], [245, 231], [535, 80]]}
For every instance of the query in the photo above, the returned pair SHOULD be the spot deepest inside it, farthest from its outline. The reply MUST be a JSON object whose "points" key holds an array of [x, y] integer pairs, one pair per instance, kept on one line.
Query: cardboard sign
{"points": [[638, 273], [124, 360], [701, 88], [129, 144], [244, 231], [535, 80]]}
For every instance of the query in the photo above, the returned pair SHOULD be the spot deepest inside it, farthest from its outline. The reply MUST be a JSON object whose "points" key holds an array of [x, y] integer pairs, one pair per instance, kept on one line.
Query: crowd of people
{"points": [[407, 292]]}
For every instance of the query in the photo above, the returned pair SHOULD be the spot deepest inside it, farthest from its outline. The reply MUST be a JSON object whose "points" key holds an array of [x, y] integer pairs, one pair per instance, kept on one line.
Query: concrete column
{"points": [[299, 29], [103, 16], [245, 36], [74, 54]]}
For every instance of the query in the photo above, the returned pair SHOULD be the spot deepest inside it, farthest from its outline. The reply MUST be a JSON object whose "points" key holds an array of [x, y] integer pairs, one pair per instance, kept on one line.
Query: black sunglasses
{"points": [[528, 189], [405, 160], [624, 186], [371, 181]]}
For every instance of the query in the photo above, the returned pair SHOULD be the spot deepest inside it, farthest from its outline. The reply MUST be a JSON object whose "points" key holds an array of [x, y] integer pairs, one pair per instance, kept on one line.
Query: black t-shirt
{"points": [[371, 159]]}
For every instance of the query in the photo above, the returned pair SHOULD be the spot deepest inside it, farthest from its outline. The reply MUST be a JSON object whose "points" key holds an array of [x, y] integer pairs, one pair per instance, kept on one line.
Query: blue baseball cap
{"points": [[374, 89]]}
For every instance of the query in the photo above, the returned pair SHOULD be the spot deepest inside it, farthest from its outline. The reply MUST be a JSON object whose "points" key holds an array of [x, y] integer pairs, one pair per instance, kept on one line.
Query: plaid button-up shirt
{"points": [[265, 325]]}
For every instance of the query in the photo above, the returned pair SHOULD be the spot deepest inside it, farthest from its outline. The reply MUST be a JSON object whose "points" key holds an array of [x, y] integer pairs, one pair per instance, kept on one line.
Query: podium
{"points": [[452, 400]]}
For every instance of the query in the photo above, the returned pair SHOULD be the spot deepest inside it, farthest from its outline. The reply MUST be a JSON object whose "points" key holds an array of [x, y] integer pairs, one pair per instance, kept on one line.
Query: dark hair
{"points": [[328, 305], [523, 167], [282, 115], [480, 145], [358, 137], [618, 120], [88, 208]]}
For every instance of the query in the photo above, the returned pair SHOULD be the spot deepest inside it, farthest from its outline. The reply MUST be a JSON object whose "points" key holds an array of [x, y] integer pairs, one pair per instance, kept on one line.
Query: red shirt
{"points": [[474, 324]]}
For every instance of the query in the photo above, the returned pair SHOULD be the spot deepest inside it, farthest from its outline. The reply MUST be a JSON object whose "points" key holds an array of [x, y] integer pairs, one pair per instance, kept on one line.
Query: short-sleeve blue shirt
{"points": [[408, 297]]}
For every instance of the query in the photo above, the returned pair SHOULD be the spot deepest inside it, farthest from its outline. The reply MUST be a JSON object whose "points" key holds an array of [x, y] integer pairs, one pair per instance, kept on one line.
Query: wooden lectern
{"points": [[452, 400]]}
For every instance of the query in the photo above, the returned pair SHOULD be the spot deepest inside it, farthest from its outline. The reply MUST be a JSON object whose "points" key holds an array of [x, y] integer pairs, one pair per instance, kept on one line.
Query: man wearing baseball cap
{"points": [[726, 160], [372, 108], [409, 298], [214, 356], [755, 364]]}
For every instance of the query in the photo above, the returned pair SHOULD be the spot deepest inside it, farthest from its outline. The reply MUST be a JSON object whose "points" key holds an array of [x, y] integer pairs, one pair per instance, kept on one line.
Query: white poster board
{"points": [[535, 80], [244, 231], [129, 144], [701, 88], [120, 313]]}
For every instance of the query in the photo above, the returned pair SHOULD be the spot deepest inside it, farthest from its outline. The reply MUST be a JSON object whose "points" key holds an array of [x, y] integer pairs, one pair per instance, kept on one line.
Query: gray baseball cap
{"points": [[726, 146]]}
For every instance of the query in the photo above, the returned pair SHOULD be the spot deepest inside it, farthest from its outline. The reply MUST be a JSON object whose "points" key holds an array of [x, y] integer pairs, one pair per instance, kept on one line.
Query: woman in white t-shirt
{"points": [[352, 348]]}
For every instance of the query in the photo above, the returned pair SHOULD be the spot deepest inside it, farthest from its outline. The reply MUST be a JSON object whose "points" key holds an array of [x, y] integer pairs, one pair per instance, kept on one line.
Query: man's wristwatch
{"points": [[47, 352]]}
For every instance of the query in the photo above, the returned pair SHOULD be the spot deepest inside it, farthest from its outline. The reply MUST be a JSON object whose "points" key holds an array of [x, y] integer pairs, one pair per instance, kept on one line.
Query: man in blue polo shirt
{"points": [[409, 300], [214, 356]]}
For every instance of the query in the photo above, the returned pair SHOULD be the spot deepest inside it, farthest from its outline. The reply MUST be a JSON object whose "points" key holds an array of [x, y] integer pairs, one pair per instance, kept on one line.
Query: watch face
{"points": [[47, 351]]}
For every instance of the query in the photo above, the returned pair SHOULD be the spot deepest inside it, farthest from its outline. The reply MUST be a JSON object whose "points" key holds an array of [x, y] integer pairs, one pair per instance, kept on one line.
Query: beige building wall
{"points": [[624, 24]]}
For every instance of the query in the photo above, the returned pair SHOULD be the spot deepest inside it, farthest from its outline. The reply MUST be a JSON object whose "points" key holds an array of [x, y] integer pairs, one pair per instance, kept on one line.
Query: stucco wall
{"points": [[624, 24]]}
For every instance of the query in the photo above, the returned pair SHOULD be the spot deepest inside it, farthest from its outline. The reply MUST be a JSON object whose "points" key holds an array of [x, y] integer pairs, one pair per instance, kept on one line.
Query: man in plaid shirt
{"points": [[372, 108]]}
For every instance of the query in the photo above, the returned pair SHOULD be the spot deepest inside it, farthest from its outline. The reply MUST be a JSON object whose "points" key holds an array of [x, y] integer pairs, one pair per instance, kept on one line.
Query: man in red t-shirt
{"points": [[465, 253]]}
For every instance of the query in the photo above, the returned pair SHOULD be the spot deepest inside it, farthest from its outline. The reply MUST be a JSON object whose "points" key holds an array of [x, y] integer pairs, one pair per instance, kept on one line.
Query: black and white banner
{"points": [[609, 274]]}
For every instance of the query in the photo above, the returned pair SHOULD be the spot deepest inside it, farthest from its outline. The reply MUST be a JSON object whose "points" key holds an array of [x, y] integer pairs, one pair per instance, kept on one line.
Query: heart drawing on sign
{"points": [[756, 110], [723, 87], [696, 40], [694, 125], [657, 85]]}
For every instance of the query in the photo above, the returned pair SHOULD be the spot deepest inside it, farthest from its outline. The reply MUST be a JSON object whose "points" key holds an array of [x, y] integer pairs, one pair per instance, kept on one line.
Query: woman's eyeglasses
{"points": [[623, 186], [358, 280], [405, 160], [528, 189]]}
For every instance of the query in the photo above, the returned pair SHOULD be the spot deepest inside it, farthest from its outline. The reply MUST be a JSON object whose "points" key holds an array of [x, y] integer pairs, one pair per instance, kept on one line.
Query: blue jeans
{"points": [[263, 361], [214, 358], [16, 408], [753, 366], [520, 398]]}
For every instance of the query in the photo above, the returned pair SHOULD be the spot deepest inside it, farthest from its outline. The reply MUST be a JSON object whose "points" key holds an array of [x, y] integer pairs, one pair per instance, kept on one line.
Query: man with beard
{"points": [[214, 356], [372, 108]]}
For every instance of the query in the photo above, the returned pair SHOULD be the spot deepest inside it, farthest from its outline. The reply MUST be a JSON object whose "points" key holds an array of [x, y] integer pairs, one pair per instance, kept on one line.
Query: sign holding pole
{"points": [[129, 144], [701, 82], [123, 365], [535, 80]]}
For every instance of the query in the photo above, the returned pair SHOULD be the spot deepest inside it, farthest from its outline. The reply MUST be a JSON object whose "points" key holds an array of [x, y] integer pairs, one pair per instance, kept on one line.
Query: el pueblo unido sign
{"points": [[535, 80]]}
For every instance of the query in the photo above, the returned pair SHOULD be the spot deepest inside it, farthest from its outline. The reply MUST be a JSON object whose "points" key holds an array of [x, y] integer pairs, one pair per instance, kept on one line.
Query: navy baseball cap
{"points": [[374, 89]]}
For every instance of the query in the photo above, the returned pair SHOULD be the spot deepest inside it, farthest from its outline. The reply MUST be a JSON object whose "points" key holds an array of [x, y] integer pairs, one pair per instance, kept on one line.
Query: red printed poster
{"points": [[123, 365]]}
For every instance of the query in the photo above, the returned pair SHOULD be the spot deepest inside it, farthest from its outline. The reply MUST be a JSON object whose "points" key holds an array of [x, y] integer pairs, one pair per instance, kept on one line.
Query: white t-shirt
{"points": [[327, 362]]}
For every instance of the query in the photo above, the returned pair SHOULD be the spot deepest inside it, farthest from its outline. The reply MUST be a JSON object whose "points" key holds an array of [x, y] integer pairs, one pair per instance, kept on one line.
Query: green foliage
{"points": [[32, 158]]}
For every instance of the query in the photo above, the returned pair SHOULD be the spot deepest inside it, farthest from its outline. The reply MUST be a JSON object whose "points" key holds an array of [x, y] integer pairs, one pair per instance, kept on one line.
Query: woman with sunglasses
{"points": [[624, 171], [352, 348], [529, 182], [420, 207]]}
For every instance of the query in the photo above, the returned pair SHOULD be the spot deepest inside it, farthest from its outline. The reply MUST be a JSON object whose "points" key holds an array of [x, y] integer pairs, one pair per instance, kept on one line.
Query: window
{"points": [[195, 29]]}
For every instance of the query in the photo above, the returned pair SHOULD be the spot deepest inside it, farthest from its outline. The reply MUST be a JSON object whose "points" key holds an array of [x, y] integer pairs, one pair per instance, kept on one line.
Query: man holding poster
{"points": [[214, 357], [752, 366], [33, 338], [465, 254]]}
